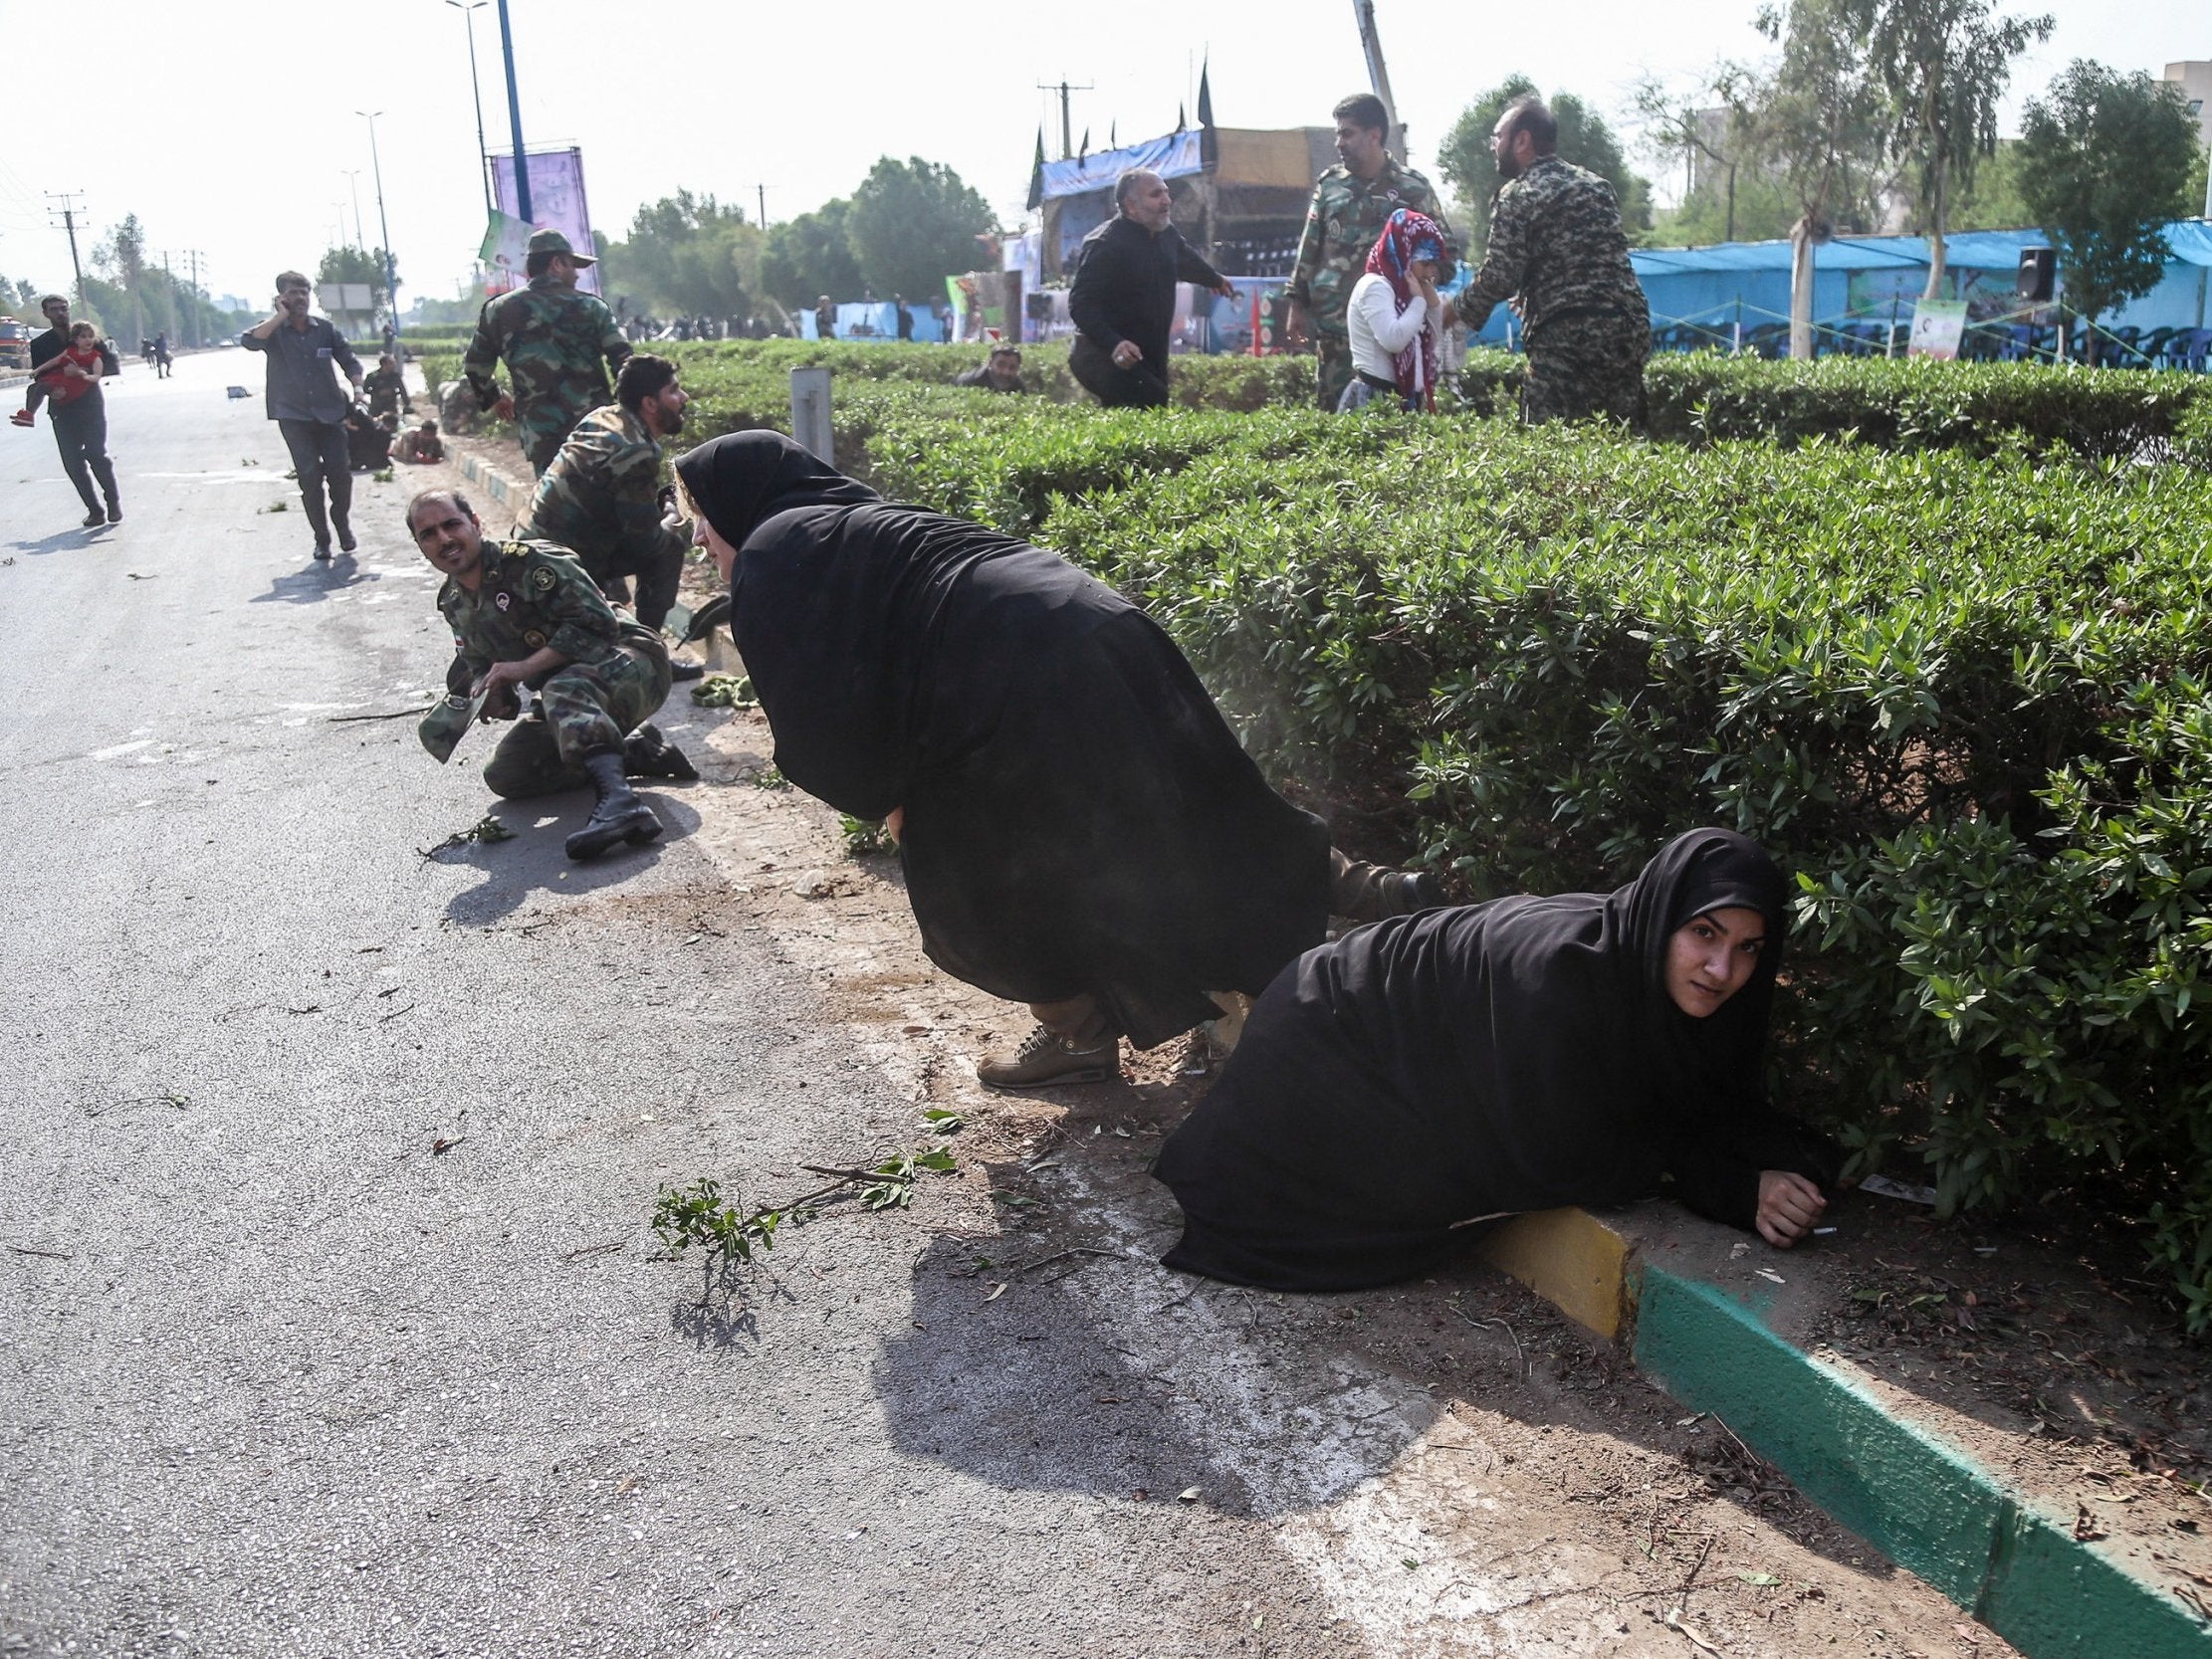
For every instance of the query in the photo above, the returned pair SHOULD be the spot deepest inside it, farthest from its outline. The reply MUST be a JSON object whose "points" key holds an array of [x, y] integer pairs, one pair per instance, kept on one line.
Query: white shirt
{"points": [[1380, 330]]}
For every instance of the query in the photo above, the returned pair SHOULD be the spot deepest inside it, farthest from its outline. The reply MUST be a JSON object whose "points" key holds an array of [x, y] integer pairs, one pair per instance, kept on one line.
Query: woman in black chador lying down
{"points": [[1079, 828], [1401, 1087]]}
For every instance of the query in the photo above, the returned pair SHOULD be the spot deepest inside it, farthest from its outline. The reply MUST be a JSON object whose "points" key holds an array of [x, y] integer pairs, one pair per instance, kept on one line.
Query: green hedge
{"points": [[1964, 699], [1906, 403]]}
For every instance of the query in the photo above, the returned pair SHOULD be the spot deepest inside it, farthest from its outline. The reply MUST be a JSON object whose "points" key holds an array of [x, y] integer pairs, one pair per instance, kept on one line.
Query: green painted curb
{"points": [[1916, 1498]]}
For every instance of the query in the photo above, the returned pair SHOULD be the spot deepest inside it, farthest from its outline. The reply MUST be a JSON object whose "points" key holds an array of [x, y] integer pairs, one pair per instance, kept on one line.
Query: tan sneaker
{"points": [[1045, 1061]]}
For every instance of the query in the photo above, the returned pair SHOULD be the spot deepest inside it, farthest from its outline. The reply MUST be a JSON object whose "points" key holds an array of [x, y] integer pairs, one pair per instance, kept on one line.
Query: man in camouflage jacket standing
{"points": [[552, 337], [1558, 250], [525, 614], [1351, 204], [601, 496]]}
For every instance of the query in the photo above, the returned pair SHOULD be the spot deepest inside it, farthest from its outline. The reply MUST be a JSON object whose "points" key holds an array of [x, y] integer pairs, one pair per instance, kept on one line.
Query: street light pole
{"points": [[383, 225], [515, 117], [483, 155], [353, 177]]}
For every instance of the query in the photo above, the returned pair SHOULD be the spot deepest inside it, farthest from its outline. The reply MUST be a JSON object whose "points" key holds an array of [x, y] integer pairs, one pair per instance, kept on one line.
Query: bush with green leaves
{"points": [[1964, 699]]}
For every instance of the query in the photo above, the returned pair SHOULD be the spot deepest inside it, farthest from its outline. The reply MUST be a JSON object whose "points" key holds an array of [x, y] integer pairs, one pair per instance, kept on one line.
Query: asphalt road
{"points": [[275, 1378], [278, 1378]]}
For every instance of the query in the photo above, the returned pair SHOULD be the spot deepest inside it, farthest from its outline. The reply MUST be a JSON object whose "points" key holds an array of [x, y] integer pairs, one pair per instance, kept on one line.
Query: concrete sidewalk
{"points": [[1724, 1333]]}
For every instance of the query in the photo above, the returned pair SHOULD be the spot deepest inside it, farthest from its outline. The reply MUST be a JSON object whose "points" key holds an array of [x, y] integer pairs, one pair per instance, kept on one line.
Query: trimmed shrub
{"points": [[1963, 700]]}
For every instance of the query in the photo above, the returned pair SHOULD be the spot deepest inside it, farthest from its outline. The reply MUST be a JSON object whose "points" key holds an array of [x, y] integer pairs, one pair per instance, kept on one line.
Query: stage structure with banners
{"points": [[557, 202], [1240, 193]]}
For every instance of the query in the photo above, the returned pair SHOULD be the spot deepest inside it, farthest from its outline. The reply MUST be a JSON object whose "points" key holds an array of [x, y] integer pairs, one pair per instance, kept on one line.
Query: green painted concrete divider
{"points": [[1916, 1499]]}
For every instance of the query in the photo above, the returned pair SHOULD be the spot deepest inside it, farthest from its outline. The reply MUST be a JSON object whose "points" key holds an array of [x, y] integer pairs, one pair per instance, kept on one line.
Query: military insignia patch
{"points": [[503, 600], [534, 639], [543, 581]]}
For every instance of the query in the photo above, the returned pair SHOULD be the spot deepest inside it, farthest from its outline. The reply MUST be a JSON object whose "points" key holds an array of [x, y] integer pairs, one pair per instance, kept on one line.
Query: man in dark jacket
{"points": [[309, 407], [1123, 301]]}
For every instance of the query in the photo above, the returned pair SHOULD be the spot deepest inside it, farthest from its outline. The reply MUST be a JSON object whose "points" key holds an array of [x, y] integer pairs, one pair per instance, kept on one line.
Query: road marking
{"points": [[118, 748]]}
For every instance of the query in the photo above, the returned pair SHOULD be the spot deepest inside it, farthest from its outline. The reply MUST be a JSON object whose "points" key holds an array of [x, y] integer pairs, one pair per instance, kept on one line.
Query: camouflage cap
{"points": [[444, 726], [553, 242]]}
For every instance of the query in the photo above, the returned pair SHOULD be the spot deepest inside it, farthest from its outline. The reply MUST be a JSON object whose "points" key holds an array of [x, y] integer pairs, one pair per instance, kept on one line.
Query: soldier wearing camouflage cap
{"points": [[553, 339], [1557, 246], [1350, 205], [602, 498], [525, 614]]}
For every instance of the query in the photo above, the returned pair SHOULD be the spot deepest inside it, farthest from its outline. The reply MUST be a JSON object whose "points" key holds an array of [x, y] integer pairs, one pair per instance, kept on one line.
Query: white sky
{"points": [[228, 128]]}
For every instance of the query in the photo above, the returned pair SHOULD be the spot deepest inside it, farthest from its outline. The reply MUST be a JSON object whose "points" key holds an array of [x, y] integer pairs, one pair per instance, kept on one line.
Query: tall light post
{"points": [[383, 225], [468, 13], [515, 117], [354, 178]]}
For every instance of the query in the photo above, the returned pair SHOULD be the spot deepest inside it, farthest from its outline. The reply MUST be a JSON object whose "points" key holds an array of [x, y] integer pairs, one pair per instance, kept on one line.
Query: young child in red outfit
{"points": [[76, 371]]}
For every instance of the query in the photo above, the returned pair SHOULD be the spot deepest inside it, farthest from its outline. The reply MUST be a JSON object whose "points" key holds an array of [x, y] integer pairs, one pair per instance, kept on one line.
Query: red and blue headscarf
{"points": [[1408, 236]]}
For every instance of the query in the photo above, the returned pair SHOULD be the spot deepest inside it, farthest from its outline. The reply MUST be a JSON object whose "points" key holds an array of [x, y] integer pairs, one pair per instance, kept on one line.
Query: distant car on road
{"points": [[14, 343]]}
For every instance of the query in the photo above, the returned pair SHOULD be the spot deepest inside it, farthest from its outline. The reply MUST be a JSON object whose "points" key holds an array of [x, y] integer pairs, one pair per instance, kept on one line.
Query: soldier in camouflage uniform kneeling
{"points": [[525, 614], [1350, 205], [1558, 249], [552, 337]]}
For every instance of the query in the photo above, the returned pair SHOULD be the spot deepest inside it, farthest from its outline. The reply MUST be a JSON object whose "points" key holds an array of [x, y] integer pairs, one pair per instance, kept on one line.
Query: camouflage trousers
{"points": [[541, 446], [583, 709], [1583, 367], [1333, 355]]}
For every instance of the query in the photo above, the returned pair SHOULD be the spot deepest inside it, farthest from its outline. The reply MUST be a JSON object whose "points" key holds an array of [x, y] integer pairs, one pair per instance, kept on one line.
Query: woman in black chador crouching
{"points": [[1402, 1089], [1079, 827]]}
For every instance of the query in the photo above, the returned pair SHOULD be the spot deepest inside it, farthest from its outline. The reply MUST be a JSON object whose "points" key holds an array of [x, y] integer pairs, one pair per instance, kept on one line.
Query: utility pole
{"points": [[383, 225], [1067, 127], [353, 177], [195, 255], [68, 211], [476, 90], [760, 195], [515, 117]]}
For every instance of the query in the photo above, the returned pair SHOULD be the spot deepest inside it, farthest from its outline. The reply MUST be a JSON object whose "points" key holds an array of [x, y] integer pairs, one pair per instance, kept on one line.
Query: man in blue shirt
{"points": [[310, 409]]}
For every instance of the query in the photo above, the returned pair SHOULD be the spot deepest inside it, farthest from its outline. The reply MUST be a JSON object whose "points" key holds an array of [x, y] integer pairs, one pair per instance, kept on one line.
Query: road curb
{"points": [[1922, 1501], [492, 482]]}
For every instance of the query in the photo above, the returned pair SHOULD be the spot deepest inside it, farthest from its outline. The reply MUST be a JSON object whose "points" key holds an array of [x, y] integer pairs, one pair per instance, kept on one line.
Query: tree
{"points": [[1944, 65], [1584, 138], [356, 265], [120, 255], [2106, 158], [689, 256], [912, 224], [810, 256], [1816, 114]]}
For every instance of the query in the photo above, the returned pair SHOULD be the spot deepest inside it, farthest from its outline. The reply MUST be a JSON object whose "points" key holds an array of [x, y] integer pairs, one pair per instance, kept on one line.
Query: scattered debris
{"points": [[725, 690], [391, 714], [486, 830], [441, 1146], [698, 1215], [1883, 1186], [30, 1250]]}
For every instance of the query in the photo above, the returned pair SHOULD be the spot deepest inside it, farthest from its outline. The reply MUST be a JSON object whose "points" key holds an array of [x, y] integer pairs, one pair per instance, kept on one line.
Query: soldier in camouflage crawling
{"points": [[1351, 204], [525, 614], [602, 499], [551, 339], [1558, 250]]}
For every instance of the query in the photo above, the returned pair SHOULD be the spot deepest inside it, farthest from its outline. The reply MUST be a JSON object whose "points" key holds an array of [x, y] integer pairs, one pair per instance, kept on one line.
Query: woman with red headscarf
{"points": [[1396, 315]]}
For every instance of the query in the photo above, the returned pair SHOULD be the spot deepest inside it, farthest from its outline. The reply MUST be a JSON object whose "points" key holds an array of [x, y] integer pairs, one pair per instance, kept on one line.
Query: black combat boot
{"points": [[619, 816], [647, 754]]}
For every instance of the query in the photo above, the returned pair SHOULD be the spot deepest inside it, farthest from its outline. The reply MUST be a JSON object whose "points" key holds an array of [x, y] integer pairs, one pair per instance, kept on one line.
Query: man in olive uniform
{"points": [[552, 337], [1351, 204], [527, 614], [601, 496], [1557, 246]]}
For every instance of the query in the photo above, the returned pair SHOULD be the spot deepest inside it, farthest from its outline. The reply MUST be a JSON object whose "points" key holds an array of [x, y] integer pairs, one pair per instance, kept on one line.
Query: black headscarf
{"points": [[1513, 1056], [744, 479]]}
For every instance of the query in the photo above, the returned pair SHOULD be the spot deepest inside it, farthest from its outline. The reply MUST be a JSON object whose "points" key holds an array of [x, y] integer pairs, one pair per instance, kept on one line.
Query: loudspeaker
{"points": [[2038, 268]]}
